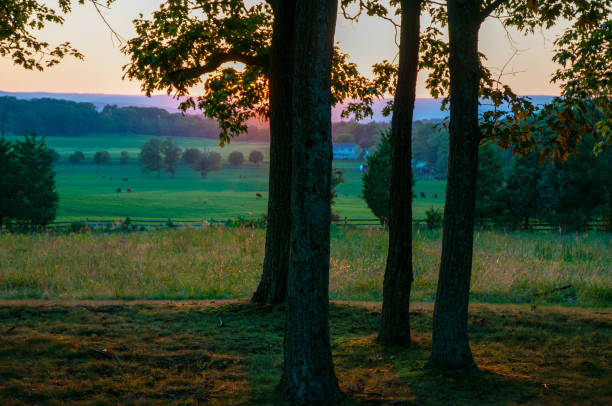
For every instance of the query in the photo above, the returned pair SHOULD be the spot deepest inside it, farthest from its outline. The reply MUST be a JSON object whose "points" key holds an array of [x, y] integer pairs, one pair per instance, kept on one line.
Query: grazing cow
{"points": [[258, 195], [125, 179], [431, 196], [359, 196], [103, 177], [118, 190], [129, 190], [423, 195], [111, 178], [435, 195]]}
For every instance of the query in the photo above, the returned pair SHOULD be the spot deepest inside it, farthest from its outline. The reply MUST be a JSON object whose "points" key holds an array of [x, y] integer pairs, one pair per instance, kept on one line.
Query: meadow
{"points": [[88, 190], [225, 263]]}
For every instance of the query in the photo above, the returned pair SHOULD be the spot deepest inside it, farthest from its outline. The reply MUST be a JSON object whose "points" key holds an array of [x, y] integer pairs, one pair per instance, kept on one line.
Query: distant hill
{"points": [[425, 108]]}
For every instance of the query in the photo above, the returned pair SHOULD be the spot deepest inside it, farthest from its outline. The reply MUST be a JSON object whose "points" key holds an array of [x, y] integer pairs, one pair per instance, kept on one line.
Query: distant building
{"points": [[345, 150]]}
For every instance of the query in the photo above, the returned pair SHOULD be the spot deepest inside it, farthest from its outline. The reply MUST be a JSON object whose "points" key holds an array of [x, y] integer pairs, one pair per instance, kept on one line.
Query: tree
{"points": [[191, 156], [376, 180], [76, 157], [395, 320], [171, 155], [236, 158], [38, 196], [308, 371], [177, 47], [490, 181], [151, 156], [207, 162], [56, 156], [468, 81], [9, 191], [101, 157], [256, 157], [124, 157]]}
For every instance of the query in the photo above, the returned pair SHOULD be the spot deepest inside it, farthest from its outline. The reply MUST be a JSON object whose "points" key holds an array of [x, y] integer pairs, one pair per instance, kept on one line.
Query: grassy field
{"points": [[89, 191], [175, 354], [223, 263]]}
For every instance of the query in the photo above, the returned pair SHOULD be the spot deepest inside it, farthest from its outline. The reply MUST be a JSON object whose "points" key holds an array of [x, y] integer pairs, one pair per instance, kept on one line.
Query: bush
{"points": [[101, 157], [240, 221], [236, 158], [433, 218], [76, 157]]}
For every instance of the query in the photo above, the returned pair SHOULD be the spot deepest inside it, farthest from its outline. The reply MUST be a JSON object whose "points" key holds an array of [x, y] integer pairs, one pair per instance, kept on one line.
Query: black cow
{"points": [[258, 195], [118, 190], [423, 195]]}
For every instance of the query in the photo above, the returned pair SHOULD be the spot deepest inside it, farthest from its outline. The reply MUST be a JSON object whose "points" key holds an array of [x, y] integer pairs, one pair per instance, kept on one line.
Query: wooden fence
{"points": [[151, 224]]}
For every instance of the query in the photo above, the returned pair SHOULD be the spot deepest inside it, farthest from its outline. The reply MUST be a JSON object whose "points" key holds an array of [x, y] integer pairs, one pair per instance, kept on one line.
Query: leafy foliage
{"points": [[236, 158], [256, 157], [76, 157], [151, 156], [223, 46], [101, 157], [172, 154], [124, 157], [207, 162]]}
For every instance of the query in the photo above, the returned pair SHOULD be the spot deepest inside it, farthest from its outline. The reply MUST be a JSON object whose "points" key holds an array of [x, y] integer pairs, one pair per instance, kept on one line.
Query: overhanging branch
{"points": [[214, 61]]}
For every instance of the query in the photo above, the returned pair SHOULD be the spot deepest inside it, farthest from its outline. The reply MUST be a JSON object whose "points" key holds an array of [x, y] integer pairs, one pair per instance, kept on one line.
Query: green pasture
{"points": [[88, 190]]}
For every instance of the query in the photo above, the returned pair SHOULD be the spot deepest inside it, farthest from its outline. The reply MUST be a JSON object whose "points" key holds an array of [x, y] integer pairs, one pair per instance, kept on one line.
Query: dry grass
{"points": [[151, 353], [220, 263]]}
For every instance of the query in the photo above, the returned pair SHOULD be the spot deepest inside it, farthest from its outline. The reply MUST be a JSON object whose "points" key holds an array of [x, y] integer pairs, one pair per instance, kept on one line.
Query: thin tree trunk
{"points": [[272, 288], [308, 371], [395, 320], [450, 347]]}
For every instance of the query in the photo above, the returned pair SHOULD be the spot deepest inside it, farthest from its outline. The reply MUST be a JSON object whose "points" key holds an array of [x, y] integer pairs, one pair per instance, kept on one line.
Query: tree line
{"points": [[294, 74], [51, 117], [157, 155]]}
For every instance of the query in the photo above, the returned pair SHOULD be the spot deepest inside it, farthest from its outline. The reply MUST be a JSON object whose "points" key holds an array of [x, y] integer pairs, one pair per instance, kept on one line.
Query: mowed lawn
{"points": [[88, 190]]}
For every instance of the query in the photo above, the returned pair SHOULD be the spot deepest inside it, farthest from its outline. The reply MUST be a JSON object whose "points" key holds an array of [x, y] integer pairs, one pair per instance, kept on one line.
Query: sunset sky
{"points": [[367, 42]]}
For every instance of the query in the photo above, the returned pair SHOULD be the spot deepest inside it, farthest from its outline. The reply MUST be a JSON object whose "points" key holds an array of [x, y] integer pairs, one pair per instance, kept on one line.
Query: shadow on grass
{"points": [[186, 353]]}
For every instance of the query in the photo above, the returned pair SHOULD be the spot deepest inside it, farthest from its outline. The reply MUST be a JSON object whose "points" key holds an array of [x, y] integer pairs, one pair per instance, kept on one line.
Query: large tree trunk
{"points": [[308, 371], [272, 288], [395, 320], [451, 348]]}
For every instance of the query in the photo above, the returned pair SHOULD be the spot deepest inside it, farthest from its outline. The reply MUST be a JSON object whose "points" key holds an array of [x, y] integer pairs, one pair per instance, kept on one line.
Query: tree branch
{"points": [[489, 8], [214, 61]]}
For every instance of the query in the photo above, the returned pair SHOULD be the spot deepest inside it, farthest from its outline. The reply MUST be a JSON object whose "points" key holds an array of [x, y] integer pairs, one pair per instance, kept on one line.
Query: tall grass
{"points": [[226, 263]]}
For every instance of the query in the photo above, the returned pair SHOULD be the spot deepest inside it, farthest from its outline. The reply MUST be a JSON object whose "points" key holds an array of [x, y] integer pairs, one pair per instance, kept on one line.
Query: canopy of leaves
{"points": [[376, 179], [223, 46], [21, 20]]}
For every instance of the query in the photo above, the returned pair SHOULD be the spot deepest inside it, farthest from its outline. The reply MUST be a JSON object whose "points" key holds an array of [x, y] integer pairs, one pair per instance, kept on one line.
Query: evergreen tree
{"points": [[34, 166], [8, 182]]}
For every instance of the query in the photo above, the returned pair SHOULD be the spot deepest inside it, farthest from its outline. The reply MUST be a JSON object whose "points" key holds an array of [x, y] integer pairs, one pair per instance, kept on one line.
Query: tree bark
{"points": [[308, 371], [395, 320], [272, 288], [450, 348]]}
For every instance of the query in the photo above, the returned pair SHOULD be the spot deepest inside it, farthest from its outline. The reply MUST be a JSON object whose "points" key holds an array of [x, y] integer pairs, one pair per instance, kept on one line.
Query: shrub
{"points": [[433, 218]]}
